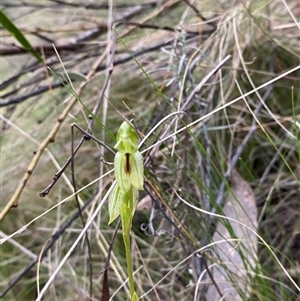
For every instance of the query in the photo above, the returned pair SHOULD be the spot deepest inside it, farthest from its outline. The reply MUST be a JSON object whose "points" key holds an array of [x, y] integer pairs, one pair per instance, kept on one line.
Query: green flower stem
{"points": [[126, 216]]}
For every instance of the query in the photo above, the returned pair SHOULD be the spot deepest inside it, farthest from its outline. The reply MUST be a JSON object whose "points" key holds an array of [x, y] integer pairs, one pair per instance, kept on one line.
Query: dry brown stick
{"points": [[13, 202], [161, 8]]}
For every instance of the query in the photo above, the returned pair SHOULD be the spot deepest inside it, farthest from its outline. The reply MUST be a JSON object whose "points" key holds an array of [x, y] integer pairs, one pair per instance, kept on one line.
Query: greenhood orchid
{"points": [[129, 174]]}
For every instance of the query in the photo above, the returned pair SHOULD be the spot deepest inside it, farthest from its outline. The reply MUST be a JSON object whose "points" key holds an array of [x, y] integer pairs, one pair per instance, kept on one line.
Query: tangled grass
{"points": [[237, 134]]}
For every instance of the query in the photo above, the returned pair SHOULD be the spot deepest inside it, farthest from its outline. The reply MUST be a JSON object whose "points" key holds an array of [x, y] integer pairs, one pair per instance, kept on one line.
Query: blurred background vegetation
{"points": [[143, 60]]}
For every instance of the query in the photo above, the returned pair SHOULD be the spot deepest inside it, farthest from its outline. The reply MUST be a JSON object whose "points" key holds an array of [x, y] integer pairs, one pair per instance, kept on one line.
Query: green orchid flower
{"points": [[129, 174], [129, 168], [129, 171]]}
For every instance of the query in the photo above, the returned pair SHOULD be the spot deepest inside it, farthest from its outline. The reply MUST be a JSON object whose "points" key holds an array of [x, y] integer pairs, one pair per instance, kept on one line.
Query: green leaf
{"points": [[126, 215], [135, 199], [73, 76], [10, 26], [114, 204], [135, 297]]}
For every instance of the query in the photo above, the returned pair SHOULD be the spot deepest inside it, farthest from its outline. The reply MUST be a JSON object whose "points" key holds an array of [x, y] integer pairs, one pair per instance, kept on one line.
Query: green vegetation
{"points": [[213, 89], [129, 173]]}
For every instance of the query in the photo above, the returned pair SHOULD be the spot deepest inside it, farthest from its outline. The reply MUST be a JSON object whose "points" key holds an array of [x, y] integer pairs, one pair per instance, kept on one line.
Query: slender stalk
{"points": [[126, 216], [126, 239]]}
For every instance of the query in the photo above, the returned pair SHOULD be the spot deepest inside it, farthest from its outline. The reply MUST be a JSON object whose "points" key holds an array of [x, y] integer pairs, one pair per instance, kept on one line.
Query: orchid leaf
{"points": [[114, 204]]}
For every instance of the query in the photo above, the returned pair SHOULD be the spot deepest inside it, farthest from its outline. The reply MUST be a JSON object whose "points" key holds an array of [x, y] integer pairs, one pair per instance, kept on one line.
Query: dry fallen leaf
{"points": [[145, 203], [235, 259]]}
